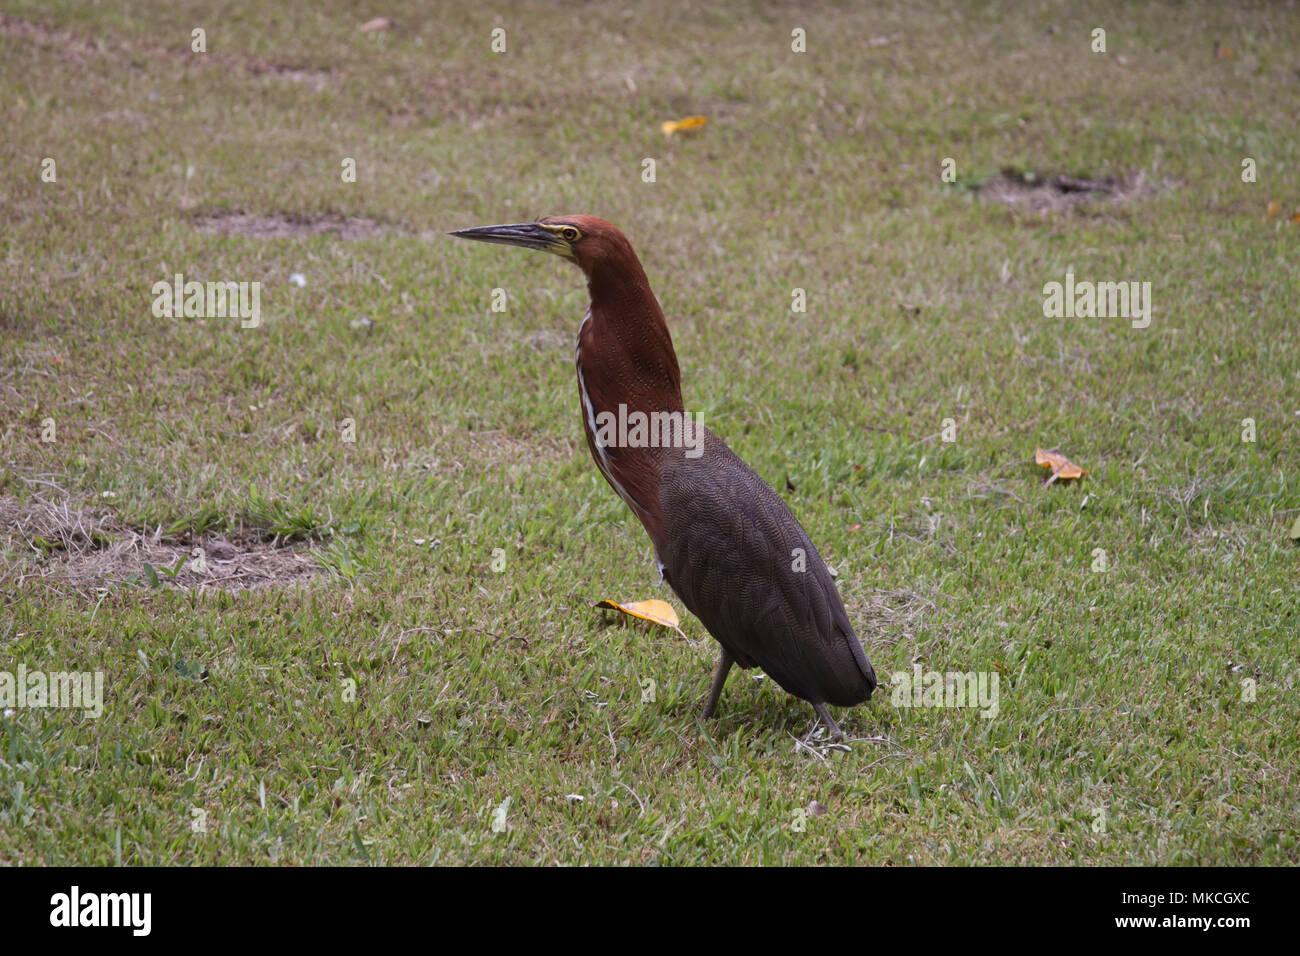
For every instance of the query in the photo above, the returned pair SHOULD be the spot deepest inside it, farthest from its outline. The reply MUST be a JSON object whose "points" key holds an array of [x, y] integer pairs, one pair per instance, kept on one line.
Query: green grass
{"points": [[381, 712]]}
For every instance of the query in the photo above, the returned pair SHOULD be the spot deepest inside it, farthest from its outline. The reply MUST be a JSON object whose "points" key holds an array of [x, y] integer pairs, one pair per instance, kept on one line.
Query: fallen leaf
{"points": [[1273, 207], [1061, 466], [1296, 217], [1294, 533], [378, 23], [655, 611], [682, 125]]}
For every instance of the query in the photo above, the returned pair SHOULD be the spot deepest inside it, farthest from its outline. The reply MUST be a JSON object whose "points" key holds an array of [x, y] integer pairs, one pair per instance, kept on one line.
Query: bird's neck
{"points": [[627, 369], [631, 353]]}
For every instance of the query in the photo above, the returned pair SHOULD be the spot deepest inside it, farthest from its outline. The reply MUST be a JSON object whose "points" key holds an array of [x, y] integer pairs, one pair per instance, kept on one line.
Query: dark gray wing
{"points": [[731, 550]]}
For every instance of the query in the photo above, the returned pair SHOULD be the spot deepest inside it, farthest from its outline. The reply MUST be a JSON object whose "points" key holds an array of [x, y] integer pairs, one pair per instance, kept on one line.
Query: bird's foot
{"points": [[824, 717], [818, 742]]}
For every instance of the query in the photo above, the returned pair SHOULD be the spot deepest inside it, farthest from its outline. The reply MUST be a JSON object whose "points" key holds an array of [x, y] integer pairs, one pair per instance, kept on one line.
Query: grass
{"points": [[383, 711]]}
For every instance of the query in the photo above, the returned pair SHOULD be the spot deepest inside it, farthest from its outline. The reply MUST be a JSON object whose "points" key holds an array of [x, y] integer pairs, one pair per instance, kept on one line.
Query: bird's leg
{"points": [[719, 678], [825, 716]]}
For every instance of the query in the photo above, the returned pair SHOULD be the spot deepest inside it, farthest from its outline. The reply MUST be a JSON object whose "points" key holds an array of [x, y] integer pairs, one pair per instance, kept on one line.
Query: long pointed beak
{"points": [[529, 235]]}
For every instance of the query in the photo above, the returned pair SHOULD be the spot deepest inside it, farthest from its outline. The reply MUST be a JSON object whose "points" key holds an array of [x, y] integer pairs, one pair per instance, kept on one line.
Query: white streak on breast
{"points": [[602, 461]]}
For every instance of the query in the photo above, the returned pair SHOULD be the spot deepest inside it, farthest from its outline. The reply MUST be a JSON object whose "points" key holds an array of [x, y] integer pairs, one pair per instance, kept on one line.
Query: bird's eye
{"points": [[569, 234]]}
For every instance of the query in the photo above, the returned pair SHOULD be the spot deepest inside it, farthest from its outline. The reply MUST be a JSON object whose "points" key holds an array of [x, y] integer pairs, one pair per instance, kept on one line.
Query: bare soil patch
{"points": [[287, 225], [1043, 192], [83, 550]]}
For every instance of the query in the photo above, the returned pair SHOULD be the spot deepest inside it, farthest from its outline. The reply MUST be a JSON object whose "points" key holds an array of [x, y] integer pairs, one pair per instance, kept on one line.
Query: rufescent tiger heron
{"points": [[723, 539]]}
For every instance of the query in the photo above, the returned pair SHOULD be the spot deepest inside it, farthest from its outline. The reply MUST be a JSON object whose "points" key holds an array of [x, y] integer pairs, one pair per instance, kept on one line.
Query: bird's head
{"points": [[587, 241]]}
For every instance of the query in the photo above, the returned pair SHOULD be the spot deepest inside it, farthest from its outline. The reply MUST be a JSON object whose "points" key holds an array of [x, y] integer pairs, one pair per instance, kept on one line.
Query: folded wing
{"points": [[743, 565]]}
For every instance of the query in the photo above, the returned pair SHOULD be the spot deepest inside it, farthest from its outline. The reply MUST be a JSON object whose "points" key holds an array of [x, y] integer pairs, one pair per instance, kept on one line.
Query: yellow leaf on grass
{"points": [[1272, 209], [1061, 466], [655, 611], [682, 125]]}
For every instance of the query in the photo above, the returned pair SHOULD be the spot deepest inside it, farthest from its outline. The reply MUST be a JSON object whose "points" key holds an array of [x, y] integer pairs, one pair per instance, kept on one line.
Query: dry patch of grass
{"points": [[1054, 192], [287, 225], [82, 551]]}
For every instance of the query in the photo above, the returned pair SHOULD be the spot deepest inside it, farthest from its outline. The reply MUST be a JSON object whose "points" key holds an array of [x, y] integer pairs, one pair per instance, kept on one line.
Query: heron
{"points": [[725, 542]]}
